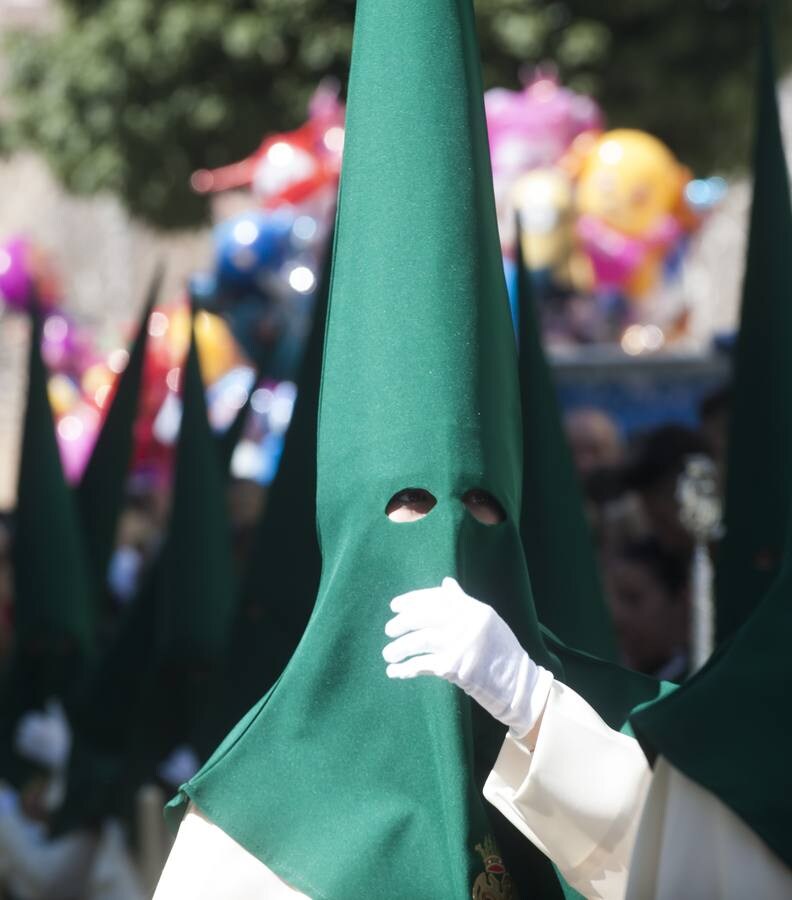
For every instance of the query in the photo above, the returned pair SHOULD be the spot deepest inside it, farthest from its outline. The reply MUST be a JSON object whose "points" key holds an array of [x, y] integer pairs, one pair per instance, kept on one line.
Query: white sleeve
{"points": [[205, 863], [577, 796], [691, 845], [43, 869]]}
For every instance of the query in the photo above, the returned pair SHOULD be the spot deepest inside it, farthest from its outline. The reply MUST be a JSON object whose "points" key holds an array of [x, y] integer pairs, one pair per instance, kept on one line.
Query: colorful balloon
{"points": [[63, 394], [249, 249], [217, 350], [630, 181], [77, 431], [293, 167], [629, 197], [26, 274], [543, 200], [533, 128]]}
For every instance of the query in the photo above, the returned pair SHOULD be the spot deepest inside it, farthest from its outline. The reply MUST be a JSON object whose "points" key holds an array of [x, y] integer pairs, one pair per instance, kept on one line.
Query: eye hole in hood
{"points": [[483, 507], [409, 505]]}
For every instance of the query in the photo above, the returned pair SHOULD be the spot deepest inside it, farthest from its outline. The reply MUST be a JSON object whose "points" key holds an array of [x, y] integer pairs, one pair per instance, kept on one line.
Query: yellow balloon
{"points": [[217, 350], [62, 393], [95, 377], [630, 180], [543, 201]]}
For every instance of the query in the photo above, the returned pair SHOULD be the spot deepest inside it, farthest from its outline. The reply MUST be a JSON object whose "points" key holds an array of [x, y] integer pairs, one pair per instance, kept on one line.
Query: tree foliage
{"points": [[131, 96]]}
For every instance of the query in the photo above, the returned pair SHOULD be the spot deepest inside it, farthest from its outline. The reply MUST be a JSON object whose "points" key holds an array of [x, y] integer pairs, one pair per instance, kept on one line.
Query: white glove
{"points": [[179, 766], [44, 737], [441, 631]]}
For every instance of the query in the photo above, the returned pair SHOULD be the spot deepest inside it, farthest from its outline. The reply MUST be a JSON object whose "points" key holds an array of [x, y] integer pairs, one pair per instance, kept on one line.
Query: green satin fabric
{"points": [[758, 485], [55, 607]]}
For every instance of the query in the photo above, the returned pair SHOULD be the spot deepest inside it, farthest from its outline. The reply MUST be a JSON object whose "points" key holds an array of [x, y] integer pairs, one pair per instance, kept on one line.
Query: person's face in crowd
{"points": [[662, 512], [594, 439], [651, 621]]}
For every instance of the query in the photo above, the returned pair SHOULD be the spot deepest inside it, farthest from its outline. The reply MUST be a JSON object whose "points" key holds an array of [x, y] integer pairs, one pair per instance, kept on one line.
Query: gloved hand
{"points": [[442, 631], [44, 737]]}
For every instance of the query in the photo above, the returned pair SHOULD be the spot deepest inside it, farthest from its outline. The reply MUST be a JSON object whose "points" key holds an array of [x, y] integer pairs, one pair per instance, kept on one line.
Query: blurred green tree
{"points": [[131, 96]]}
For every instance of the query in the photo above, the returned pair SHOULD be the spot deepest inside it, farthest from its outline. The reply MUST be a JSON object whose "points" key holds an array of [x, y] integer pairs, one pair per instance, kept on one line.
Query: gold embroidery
{"points": [[494, 883]]}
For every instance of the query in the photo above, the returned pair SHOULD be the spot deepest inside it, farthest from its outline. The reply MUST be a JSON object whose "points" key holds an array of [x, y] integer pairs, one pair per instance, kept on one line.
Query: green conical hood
{"points": [[558, 543], [195, 586], [343, 782], [52, 584], [101, 492], [54, 602], [198, 568], [760, 445], [279, 585], [147, 691], [107, 713]]}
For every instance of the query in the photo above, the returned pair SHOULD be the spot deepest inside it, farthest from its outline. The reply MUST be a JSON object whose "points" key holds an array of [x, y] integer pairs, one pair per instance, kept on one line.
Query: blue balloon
{"points": [[250, 247]]}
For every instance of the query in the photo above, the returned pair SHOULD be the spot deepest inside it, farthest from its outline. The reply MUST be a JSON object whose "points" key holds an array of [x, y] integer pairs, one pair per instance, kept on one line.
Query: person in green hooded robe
{"points": [[340, 782]]}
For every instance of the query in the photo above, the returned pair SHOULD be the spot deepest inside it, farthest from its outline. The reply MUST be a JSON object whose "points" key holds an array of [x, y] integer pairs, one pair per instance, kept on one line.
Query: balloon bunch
{"points": [[79, 379], [605, 218], [26, 276], [264, 267]]}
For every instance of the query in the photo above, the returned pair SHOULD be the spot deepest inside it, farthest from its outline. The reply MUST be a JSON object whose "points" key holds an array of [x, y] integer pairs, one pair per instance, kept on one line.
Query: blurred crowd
{"points": [[630, 486]]}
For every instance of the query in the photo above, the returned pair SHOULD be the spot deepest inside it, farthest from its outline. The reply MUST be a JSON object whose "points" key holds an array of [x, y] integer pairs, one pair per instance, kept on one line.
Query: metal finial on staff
{"points": [[700, 511]]}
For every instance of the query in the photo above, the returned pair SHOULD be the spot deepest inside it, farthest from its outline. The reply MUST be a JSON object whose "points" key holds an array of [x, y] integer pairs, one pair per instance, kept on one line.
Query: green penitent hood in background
{"points": [[100, 495], [149, 688], [559, 545], [344, 783], [55, 607], [759, 475], [193, 583], [278, 588]]}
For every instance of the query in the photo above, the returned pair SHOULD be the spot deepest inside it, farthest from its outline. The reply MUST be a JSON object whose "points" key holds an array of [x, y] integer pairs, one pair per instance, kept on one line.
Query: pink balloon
{"points": [[16, 278], [534, 127], [614, 256], [77, 432], [58, 341]]}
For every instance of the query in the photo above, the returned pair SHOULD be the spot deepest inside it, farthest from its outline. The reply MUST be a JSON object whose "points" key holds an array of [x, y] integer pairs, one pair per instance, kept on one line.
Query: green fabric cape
{"points": [[100, 495], [556, 535], [760, 443], [343, 782], [282, 574]]}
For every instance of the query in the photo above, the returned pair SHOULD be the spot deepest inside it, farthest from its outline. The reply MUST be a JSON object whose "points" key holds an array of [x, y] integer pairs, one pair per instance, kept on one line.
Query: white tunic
{"points": [[206, 864], [34, 867], [587, 798]]}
